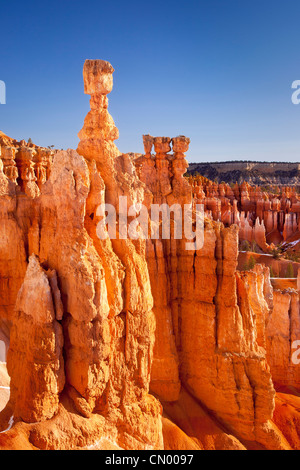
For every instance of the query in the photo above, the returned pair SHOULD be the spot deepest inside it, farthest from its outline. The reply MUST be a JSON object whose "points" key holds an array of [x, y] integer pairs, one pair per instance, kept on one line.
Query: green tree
{"points": [[252, 263], [272, 274], [290, 271], [245, 246], [293, 256], [254, 247], [276, 252]]}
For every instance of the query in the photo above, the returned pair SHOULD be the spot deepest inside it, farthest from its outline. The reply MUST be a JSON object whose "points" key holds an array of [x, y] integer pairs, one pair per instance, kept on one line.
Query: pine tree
{"points": [[254, 247], [290, 271], [272, 274], [245, 246], [251, 263]]}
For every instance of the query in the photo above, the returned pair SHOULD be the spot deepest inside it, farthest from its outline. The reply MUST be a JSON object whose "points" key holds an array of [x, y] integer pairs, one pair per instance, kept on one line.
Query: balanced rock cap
{"points": [[97, 76]]}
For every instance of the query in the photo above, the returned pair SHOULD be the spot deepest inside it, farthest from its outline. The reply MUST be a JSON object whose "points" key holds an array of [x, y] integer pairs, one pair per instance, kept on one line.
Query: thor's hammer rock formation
{"points": [[120, 342]]}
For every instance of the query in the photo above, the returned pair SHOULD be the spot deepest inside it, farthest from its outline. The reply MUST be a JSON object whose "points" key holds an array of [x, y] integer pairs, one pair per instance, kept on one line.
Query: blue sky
{"points": [[218, 71]]}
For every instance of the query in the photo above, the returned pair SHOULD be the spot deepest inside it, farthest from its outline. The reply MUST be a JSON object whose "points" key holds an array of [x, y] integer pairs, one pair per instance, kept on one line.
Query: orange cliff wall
{"points": [[217, 358], [92, 331], [110, 320], [210, 334]]}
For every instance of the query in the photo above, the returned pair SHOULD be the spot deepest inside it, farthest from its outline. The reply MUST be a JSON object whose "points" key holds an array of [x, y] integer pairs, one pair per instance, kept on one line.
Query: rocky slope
{"points": [[133, 343], [86, 303]]}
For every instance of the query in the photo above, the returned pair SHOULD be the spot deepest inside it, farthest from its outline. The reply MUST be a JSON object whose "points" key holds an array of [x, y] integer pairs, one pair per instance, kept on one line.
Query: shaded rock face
{"points": [[208, 340], [283, 330], [230, 351], [35, 361], [100, 327], [12, 261]]}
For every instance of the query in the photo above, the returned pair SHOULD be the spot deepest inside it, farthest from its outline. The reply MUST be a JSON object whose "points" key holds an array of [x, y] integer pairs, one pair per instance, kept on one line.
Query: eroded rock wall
{"points": [[218, 329], [105, 327], [283, 331], [96, 322]]}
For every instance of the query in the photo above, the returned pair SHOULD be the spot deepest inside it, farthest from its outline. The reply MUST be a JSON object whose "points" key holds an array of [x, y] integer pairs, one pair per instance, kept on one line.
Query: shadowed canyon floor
{"points": [[133, 343]]}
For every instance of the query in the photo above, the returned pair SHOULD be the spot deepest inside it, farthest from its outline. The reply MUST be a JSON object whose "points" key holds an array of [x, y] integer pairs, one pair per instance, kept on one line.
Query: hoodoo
{"points": [[134, 343]]}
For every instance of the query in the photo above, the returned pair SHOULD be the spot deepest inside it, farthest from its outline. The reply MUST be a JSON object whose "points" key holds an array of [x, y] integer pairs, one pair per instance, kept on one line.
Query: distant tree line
{"points": [[244, 161]]}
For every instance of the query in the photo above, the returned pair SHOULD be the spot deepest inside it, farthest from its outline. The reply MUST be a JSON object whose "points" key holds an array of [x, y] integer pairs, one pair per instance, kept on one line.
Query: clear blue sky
{"points": [[218, 71]]}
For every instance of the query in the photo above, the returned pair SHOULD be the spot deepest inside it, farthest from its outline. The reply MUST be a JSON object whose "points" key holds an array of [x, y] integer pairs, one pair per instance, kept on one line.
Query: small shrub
{"points": [[245, 246], [250, 264]]}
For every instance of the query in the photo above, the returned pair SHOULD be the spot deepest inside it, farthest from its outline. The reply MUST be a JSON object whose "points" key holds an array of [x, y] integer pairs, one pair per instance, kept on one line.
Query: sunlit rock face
{"points": [[123, 343], [95, 338]]}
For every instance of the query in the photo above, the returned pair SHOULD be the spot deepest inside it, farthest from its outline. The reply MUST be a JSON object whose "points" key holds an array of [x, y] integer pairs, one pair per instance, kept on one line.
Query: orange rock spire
{"points": [[106, 335]]}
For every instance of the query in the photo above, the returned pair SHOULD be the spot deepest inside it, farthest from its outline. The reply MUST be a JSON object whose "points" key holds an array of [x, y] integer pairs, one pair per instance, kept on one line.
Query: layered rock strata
{"points": [[96, 322], [93, 304], [266, 217]]}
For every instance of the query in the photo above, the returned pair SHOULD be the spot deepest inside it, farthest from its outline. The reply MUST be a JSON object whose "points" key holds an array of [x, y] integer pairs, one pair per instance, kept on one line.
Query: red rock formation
{"points": [[286, 417], [283, 329], [263, 217], [220, 361], [163, 172], [192, 428], [96, 322], [35, 361], [106, 309], [12, 261]]}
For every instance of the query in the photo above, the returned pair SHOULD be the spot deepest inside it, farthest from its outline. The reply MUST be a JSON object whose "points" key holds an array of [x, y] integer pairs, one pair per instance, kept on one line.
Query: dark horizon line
{"points": [[242, 161]]}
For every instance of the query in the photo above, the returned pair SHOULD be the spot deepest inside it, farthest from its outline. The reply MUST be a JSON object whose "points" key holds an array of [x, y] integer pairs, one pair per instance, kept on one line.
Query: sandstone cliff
{"points": [[130, 343], [86, 303]]}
